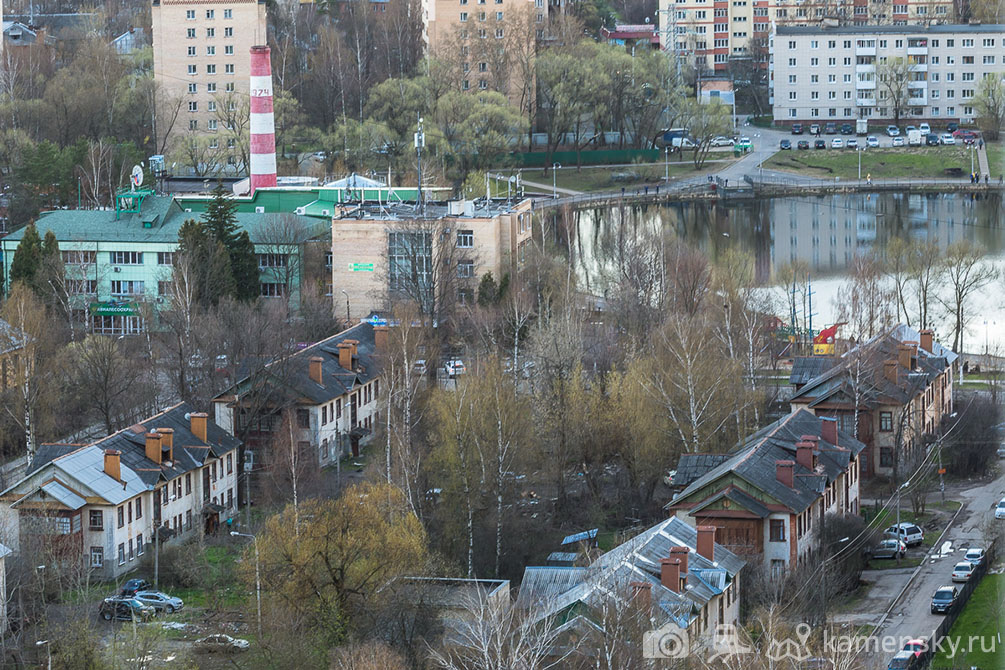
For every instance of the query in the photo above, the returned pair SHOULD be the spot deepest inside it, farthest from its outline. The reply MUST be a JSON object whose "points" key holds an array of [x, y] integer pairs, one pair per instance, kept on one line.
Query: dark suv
{"points": [[830, 129], [797, 129], [847, 129], [133, 585], [125, 609], [944, 599]]}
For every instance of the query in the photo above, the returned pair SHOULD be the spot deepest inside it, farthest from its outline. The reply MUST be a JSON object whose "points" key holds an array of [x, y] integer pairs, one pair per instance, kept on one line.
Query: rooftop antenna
{"points": [[136, 177]]}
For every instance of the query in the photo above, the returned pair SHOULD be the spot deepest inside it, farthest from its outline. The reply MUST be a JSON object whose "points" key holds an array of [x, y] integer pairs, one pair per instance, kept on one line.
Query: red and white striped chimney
{"points": [[263, 126]]}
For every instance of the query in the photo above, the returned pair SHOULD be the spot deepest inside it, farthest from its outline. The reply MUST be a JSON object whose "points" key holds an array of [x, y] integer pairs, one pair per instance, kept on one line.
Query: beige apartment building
{"points": [[435, 258], [714, 31], [202, 69]]}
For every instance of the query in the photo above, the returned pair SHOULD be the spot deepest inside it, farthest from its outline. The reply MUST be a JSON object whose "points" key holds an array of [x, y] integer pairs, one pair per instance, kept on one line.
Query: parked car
{"points": [[891, 548], [963, 571], [160, 601], [903, 660], [133, 585], [931, 139], [872, 141], [898, 141], [892, 131], [797, 129], [454, 367], [907, 532], [1000, 509], [744, 144], [722, 142], [222, 643], [852, 143], [952, 127], [1001, 451], [820, 144], [916, 647], [125, 609], [847, 129], [815, 129], [909, 129], [830, 128], [420, 367], [965, 136], [947, 138], [837, 143], [925, 129], [944, 599], [785, 144], [802, 144], [974, 555]]}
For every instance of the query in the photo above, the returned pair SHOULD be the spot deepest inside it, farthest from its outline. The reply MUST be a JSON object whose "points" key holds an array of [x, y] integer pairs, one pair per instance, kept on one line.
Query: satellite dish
{"points": [[137, 176]]}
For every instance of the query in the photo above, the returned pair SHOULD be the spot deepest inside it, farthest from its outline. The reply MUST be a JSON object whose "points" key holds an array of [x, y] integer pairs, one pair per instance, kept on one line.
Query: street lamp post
{"points": [[347, 319], [48, 650], [554, 179], [666, 160], [899, 489], [258, 578], [859, 150], [824, 577]]}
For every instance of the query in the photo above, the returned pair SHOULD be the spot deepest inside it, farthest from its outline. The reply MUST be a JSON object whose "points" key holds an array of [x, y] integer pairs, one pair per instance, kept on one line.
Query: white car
{"points": [[722, 142], [892, 131], [872, 141], [221, 643], [962, 571], [925, 129], [907, 532], [974, 556], [898, 141], [1000, 510], [837, 143], [454, 367], [947, 138]]}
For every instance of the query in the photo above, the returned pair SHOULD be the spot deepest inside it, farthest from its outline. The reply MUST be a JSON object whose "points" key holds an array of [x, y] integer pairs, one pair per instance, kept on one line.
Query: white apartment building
{"points": [[202, 67], [714, 31], [98, 506], [836, 74]]}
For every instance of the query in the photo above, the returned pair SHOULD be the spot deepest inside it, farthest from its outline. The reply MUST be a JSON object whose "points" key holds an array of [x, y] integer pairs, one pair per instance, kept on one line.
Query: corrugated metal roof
{"points": [[64, 495], [580, 537]]}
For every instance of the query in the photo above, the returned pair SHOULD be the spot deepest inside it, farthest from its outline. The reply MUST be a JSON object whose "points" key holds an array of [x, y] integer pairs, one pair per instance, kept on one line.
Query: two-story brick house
{"points": [[330, 391], [896, 386], [100, 504], [769, 499]]}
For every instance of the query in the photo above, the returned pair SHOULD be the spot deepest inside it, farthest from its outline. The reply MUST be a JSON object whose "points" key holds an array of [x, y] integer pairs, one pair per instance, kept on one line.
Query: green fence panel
{"points": [[593, 157]]}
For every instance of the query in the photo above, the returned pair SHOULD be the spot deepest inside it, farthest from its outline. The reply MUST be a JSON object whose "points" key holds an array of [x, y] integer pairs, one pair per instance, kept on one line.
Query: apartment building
{"points": [[768, 498], [97, 506], [839, 74], [202, 69], [713, 32], [383, 252]]}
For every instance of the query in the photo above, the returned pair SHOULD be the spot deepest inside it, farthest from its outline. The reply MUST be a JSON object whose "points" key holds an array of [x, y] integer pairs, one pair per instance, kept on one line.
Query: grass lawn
{"points": [[880, 163], [982, 617], [606, 178], [891, 563], [888, 517]]}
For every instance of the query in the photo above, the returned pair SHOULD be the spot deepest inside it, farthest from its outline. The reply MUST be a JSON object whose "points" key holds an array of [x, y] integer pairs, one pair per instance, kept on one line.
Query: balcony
{"points": [[865, 51], [919, 67], [917, 51], [866, 85], [865, 68], [866, 102], [918, 102]]}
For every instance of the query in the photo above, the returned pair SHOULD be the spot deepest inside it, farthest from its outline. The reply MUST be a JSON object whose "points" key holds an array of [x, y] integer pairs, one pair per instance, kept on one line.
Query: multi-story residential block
{"points": [[714, 32], [380, 253], [686, 583], [202, 71], [328, 394], [768, 498], [119, 261], [882, 73], [897, 386], [98, 506]]}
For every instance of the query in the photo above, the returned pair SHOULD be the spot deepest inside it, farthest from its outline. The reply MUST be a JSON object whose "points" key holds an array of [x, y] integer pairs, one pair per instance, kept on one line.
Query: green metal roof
{"points": [[158, 222]]}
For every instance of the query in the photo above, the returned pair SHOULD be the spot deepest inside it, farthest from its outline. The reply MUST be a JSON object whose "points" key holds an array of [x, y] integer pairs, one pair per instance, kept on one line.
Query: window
{"points": [[190, 14], [271, 261], [97, 557], [193, 106], [230, 464], [191, 51], [78, 257], [814, 62], [968, 43], [885, 457], [212, 471], [228, 13], [190, 33], [193, 124], [228, 32], [122, 553], [211, 88], [192, 88], [139, 544], [228, 68], [303, 418], [188, 520], [465, 239], [188, 484], [886, 421], [464, 17], [96, 520], [210, 14], [211, 69], [210, 51], [968, 60], [967, 76], [139, 508], [126, 287], [272, 290], [210, 33], [777, 530], [122, 516], [465, 269], [191, 69], [228, 50]]}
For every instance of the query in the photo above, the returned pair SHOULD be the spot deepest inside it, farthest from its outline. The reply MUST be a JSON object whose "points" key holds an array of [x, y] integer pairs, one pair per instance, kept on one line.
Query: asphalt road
{"points": [[911, 617]]}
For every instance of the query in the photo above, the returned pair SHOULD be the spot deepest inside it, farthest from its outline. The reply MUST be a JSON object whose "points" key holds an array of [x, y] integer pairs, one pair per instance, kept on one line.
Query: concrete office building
{"points": [[836, 74], [202, 70], [714, 32]]}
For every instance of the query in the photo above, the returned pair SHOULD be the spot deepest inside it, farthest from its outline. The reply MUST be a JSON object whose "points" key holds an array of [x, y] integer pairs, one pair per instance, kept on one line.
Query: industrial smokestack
{"points": [[263, 126]]}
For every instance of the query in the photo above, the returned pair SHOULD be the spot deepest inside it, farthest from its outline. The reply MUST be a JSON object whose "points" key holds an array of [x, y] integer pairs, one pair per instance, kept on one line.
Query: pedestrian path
{"points": [[982, 159]]}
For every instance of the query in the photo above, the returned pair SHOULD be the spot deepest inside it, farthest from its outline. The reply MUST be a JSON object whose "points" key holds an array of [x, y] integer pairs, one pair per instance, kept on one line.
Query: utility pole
{"points": [[420, 142], [258, 578]]}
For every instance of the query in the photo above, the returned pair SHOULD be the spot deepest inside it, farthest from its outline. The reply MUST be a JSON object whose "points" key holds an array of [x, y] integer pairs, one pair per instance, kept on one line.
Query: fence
{"points": [[694, 188], [591, 157]]}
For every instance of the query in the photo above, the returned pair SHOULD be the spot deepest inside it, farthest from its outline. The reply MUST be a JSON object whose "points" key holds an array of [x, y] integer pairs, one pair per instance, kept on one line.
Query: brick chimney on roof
{"points": [[167, 443], [642, 594], [345, 355], [904, 356], [670, 573], [890, 371], [829, 430], [153, 447], [706, 542], [113, 464], [380, 338], [806, 455], [783, 472], [926, 340], [681, 553], [315, 368], [197, 424]]}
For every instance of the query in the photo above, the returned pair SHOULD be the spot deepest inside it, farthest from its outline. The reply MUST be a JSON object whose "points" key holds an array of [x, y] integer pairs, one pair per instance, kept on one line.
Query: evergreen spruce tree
{"points": [[27, 257], [221, 222], [207, 261]]}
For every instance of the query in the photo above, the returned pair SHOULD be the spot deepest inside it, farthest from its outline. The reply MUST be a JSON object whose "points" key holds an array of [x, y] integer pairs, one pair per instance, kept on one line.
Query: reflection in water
{"points": [[824, 232]]}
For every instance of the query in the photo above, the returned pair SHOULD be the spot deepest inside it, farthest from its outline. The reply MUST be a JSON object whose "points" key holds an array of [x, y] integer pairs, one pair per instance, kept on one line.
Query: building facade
{"points": [[380, 253], [882, 73], [119, 264], [202, 71], [717, 31], [768, 500], [98, 506]]}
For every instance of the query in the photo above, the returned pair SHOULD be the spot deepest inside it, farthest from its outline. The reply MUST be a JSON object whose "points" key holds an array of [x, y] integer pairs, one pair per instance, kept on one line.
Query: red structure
{"points": [[263, 126]]}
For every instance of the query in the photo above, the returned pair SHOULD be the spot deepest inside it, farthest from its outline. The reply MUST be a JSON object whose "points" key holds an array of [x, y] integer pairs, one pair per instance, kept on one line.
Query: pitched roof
{"points": [[11, 338], [754, 463], [806, 368], [692, 466], [291, 374]]}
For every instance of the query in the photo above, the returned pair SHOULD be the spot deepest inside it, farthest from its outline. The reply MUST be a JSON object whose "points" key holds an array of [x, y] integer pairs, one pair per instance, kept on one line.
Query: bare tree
{"points": [[966, 272], [894, 76], [104, 379]]}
